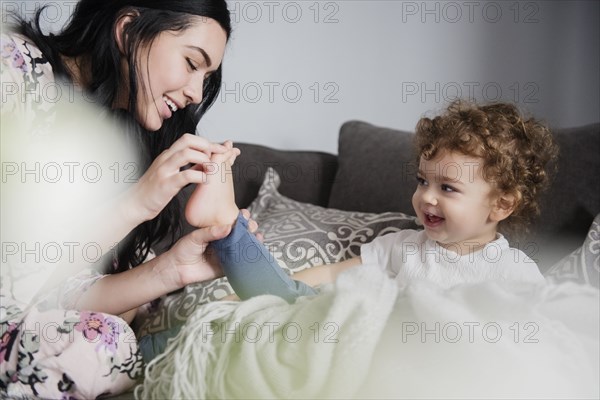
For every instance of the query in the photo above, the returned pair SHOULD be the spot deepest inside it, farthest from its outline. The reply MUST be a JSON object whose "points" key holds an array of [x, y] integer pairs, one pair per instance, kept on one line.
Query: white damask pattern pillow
{"points": [[583, 264], [302, 235]]}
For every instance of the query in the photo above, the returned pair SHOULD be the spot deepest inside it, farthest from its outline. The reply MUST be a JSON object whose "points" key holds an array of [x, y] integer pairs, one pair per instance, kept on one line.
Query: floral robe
{"points": [[47, 348]]}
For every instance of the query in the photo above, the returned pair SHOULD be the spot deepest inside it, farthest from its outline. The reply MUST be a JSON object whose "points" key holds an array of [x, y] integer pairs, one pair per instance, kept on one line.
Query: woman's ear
{"points": [[504, 205], [120, 26]]}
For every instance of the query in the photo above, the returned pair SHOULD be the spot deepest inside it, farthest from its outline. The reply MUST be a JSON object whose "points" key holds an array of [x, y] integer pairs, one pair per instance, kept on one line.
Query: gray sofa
{"points": [[374, 172], [316, 208]]}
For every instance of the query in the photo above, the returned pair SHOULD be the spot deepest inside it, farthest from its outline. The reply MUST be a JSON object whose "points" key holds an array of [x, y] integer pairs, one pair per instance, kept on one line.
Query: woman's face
{"points": [[172, 70]]}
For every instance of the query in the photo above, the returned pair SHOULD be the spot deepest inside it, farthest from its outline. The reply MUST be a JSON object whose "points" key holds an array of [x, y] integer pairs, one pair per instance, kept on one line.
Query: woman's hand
{"points": [[252, 225], [188, 261], [164, 178], [192, 260]]}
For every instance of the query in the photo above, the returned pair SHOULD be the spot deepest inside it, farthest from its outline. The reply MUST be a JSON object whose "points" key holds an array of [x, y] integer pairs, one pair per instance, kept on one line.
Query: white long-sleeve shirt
{"points": [[409, 255]]}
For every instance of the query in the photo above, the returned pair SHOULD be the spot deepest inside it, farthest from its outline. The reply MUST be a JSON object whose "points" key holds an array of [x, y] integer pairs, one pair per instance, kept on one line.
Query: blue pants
{"points": [[251, 271]]}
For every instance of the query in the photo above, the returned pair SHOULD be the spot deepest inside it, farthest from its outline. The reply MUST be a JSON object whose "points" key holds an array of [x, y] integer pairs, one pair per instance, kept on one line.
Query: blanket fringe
{"points": [[163, 380]]}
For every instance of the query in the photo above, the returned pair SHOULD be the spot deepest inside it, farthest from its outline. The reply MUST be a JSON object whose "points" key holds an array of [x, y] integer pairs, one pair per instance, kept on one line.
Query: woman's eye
{"points": [[191, 64]]}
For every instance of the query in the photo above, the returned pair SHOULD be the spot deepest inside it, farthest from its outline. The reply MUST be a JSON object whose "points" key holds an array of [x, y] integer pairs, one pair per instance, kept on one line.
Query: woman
{"points": [[157, 65]]}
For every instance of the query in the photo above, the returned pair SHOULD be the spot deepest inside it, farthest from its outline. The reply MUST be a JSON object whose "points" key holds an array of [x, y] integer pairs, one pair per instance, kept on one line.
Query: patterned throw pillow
{"points": [[302, 235], [299, 235], [583, 264]]}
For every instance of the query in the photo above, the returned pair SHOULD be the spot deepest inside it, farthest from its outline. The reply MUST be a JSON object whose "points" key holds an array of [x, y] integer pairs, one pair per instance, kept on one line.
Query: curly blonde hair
{"points": [[516, 152]]}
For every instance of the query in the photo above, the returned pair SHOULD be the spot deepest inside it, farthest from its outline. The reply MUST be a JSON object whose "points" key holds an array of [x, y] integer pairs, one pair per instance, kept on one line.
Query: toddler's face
{"points": [[454, 202]]}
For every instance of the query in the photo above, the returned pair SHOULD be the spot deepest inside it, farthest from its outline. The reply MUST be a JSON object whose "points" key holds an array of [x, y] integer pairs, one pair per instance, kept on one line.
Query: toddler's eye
{"points": [[421, 181], [447, 188]]}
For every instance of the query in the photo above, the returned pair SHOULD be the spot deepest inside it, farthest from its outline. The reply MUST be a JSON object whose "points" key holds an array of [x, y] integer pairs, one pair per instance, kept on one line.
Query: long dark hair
{"points": [[90, 33]]}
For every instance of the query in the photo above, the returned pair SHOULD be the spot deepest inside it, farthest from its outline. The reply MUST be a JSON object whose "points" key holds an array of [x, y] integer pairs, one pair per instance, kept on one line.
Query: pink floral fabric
{"points": [[57, 353], [47, 348]]}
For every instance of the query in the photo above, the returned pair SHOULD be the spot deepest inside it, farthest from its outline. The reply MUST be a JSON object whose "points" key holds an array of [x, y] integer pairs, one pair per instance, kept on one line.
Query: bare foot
{"points": [[213, 202]]}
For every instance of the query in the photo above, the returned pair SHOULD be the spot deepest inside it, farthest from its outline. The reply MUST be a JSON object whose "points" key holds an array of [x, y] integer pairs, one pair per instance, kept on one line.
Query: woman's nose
{"points": [[193, 92]]}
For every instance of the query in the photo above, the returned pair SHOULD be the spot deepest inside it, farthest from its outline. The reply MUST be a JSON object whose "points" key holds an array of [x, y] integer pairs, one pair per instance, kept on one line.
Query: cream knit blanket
{"points": [[365, 338], [264, 348]]}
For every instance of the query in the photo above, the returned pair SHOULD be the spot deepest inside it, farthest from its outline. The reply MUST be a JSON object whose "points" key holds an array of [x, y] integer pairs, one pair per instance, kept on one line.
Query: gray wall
{"points": [[294, 71]]}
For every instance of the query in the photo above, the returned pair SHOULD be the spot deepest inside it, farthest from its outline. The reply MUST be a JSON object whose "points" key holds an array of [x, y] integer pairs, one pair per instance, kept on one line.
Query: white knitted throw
{"points": [[264, 348], [365, 338]]}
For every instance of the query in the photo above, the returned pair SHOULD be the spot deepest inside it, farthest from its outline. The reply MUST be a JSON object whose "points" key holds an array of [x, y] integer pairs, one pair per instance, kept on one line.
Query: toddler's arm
{"points": [[326, 273]]}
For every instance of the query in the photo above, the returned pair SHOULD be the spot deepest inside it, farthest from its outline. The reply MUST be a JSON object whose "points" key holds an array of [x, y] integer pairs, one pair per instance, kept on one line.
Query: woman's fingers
{"points": [[167, 174], [245, 213], [180, 157], [198, 143], [252, 224], [187, 156], [203, 236]]}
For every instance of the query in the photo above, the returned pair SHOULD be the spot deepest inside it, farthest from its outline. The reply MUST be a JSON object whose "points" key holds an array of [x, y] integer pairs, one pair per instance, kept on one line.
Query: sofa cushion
{"points": [[305, 175], [302, 235], [573, 199], [583, 264], [376, 169]]}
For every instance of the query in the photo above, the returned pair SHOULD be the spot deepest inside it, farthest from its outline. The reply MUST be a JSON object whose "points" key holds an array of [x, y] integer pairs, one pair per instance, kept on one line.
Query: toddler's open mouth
{"points": [[432, 220]]}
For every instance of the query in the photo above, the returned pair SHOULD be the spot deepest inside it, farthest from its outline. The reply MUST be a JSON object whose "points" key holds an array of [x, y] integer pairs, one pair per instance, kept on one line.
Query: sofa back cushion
{"points": [[573, 199], [306, 176], [376, 169]]}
